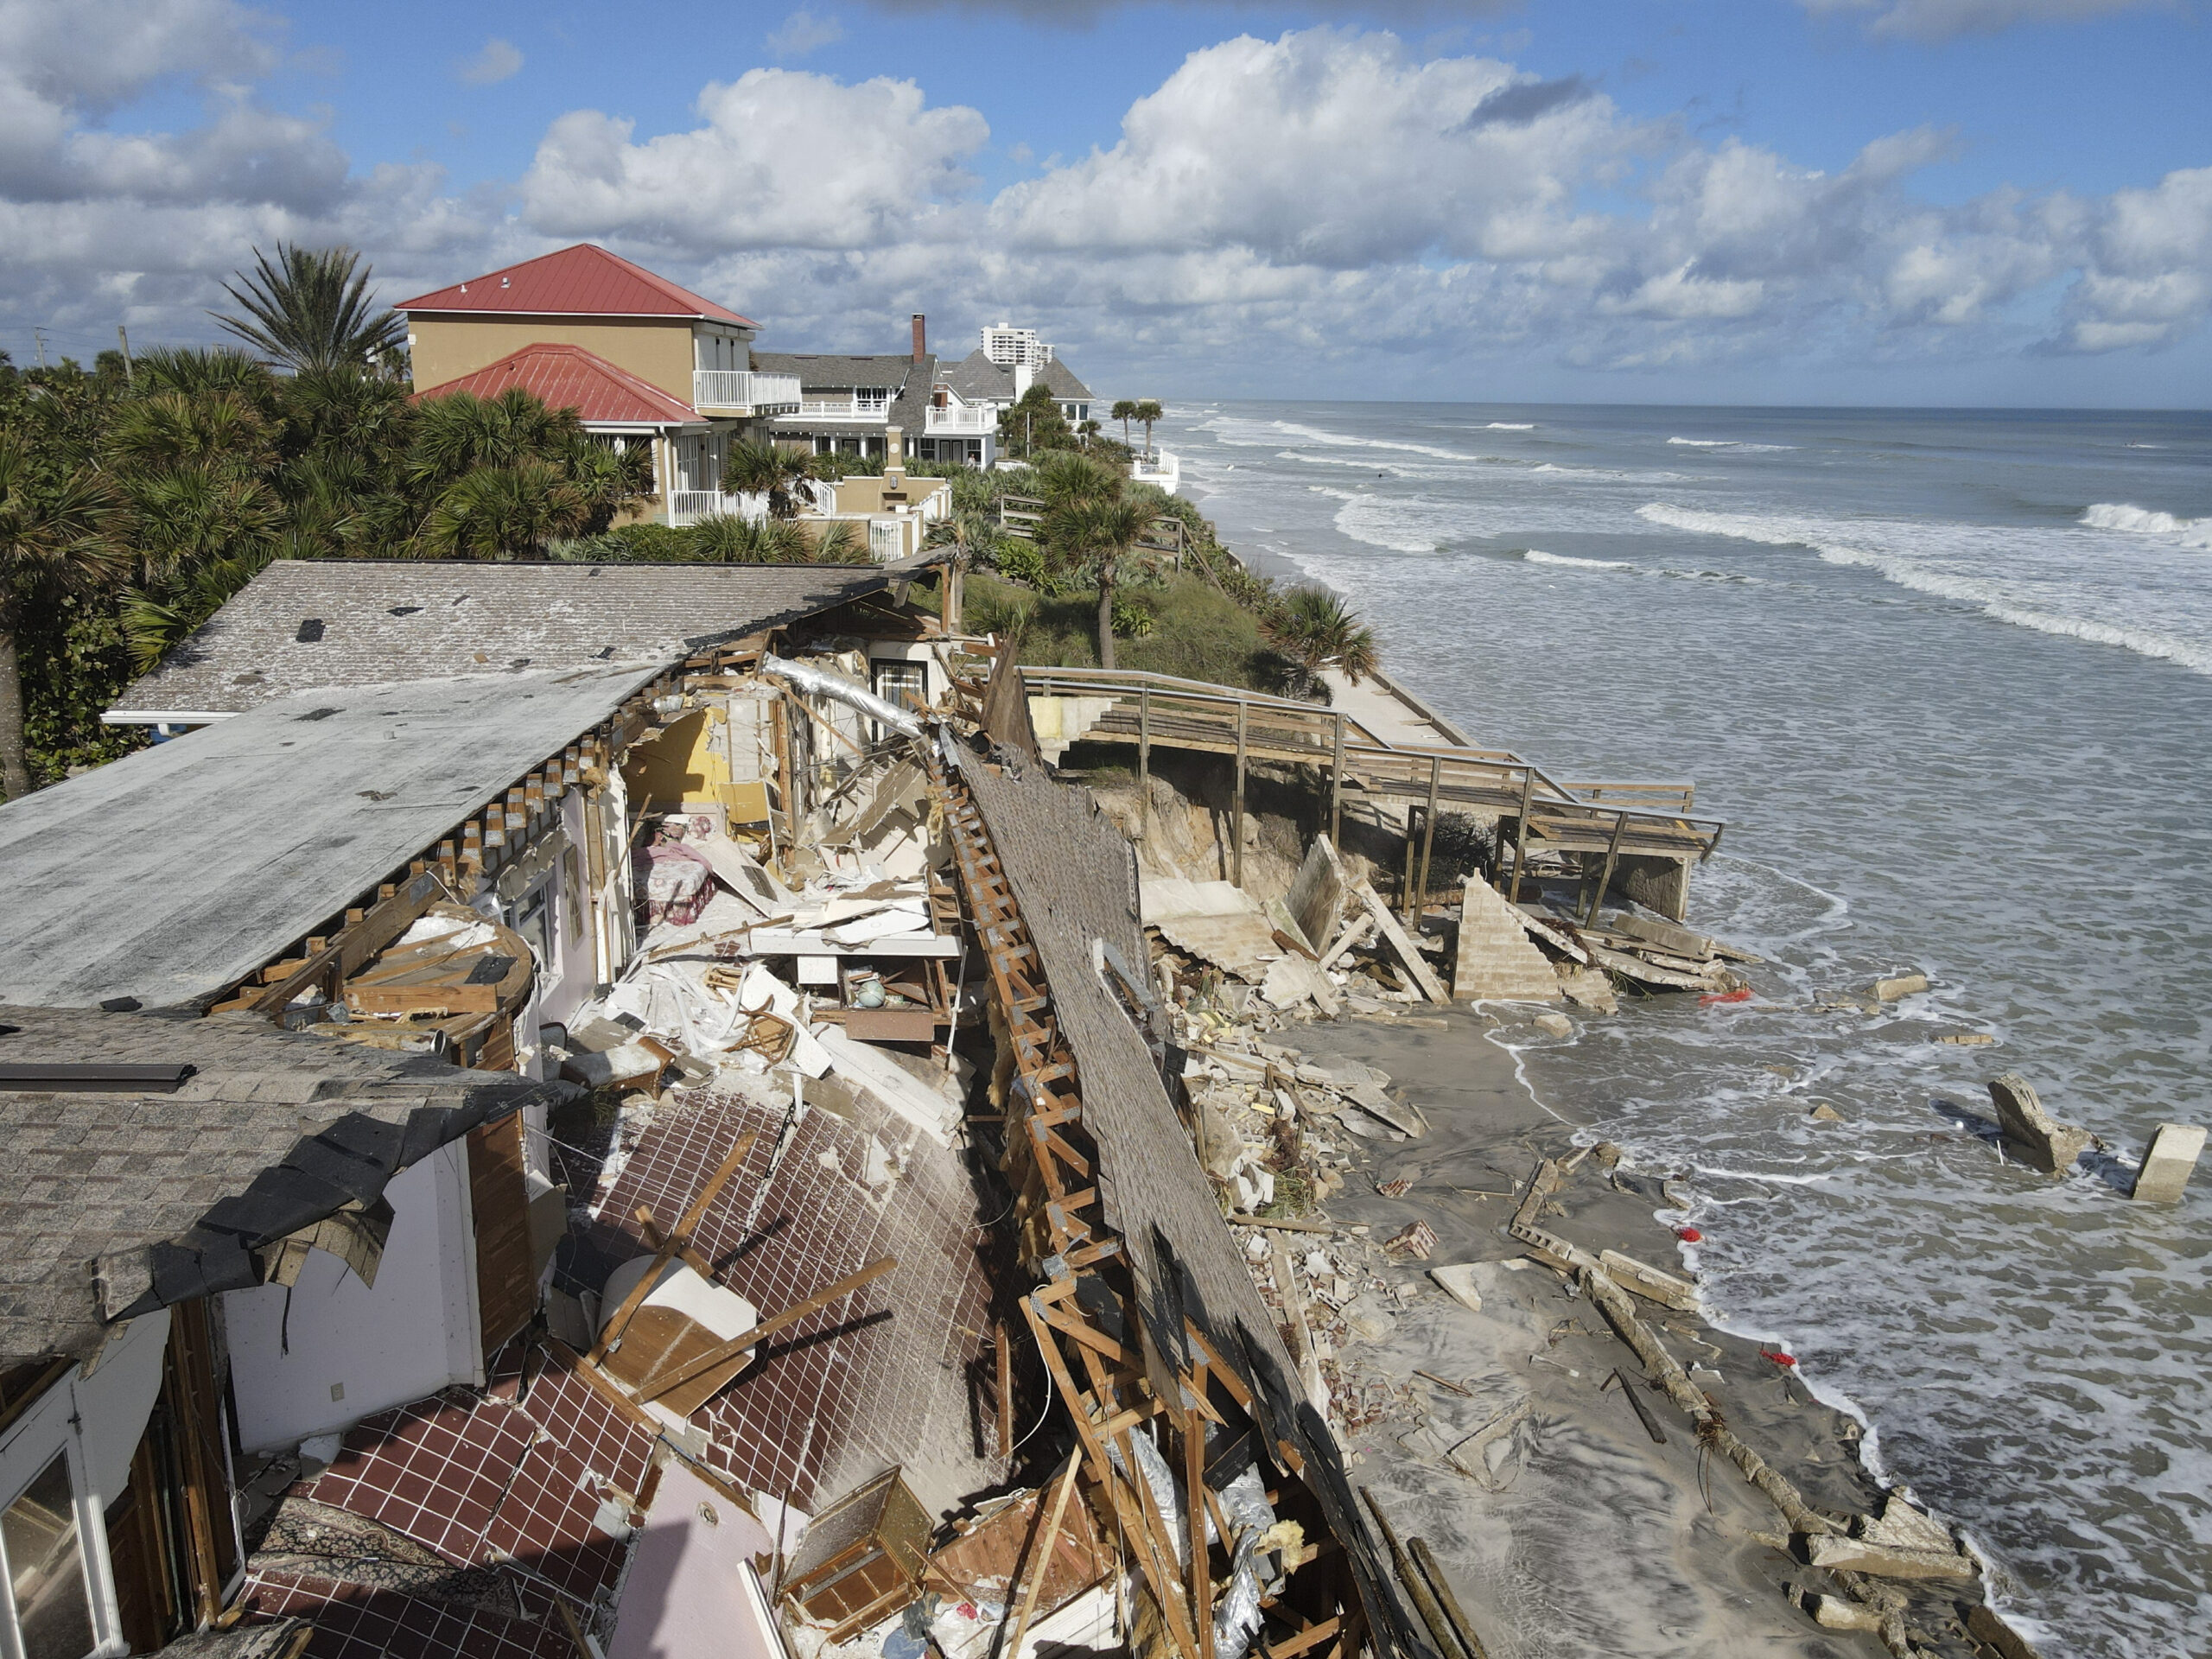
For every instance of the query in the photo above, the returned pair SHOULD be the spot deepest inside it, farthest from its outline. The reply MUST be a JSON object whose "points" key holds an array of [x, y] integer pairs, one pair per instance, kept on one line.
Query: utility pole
{"points": [[39, 334], [124, 335]]}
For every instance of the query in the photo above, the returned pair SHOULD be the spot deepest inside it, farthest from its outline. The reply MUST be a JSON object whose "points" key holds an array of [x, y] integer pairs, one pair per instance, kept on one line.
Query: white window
{"points": [[49, 1596], [872, 400]]}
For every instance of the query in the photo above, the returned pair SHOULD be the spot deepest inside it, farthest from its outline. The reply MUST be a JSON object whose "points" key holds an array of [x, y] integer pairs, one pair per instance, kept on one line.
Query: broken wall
{"points": [[312, 1357]]}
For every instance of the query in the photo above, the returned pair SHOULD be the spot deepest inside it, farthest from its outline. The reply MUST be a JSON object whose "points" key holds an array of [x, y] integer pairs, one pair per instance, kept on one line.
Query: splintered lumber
{"points": [[1432, 1570], [1621, 1315], [1040, 1555], [1424, 1599], [1401, 943]]}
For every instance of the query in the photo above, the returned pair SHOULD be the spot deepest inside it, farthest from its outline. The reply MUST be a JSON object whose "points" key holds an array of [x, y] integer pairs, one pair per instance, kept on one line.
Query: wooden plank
{"points": [[498, 1202], [1040, 1555], [355, 945]]}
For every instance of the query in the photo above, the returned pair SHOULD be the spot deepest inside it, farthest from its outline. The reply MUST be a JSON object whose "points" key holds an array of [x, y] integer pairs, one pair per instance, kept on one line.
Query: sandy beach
{"points": [[1579, 1534]]}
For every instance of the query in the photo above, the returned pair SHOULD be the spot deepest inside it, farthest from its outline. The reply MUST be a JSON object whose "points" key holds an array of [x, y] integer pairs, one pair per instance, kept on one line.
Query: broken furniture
{"points": [[863, 1557]]}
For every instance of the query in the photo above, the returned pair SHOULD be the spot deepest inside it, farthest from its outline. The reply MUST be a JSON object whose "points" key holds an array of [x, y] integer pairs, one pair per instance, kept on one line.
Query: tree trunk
{"points": [[15, 765], [1106, 619]]}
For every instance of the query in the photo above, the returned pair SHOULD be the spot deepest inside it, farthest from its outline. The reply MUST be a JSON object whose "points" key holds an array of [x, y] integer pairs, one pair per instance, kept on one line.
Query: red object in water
{"points": [[1741, 993], [1779, 1359], [1689, 1235]]}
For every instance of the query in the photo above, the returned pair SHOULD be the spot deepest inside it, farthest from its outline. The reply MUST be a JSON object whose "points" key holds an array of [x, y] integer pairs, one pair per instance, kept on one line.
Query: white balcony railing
{"points": [[690, 506], [839, 409], [762, 394], [1162, 468], [971, 422]]}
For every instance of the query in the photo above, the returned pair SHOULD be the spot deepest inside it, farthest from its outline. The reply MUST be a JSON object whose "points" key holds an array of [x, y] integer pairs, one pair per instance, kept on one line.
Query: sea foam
{"points": [[2143, 521]]}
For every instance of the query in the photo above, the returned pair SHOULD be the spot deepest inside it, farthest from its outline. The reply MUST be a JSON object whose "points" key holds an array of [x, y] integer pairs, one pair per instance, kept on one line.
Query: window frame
{"points": [[53, 1427]]}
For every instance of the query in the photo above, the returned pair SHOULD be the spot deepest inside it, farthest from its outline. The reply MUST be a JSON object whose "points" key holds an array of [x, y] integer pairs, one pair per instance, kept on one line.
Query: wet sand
{"points": [[1579, 1534]]}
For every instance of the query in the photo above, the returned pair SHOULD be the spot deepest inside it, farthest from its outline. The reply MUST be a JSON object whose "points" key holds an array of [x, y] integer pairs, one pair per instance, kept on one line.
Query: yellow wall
{"points": [[654, 349], [685, 769]]}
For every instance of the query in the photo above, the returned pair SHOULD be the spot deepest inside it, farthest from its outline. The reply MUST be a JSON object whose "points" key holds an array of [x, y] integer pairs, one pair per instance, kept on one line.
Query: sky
{"points": [[1908, 203]]}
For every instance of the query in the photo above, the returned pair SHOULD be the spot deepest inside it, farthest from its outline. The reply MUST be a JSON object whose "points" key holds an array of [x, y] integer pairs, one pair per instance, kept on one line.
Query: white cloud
{"points": [[499, 61], [1940, 20], [802, 33], [782, 158], [1329, 207]]}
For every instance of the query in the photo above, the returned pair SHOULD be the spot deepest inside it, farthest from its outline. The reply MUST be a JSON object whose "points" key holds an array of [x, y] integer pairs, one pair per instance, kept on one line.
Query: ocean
{"points": [[1949, 677]]}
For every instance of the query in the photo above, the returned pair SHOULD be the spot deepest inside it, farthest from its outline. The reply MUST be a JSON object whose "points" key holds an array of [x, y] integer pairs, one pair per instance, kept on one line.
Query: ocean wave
{"points": [[1975, 564], [1511, 426], [1737, 444], [1265, 434], [1397, 524], [1613, 474], [1537, 556], [2144, 521]]}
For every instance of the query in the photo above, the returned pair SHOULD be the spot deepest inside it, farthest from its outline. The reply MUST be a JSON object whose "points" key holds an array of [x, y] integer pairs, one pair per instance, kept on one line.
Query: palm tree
{"points": [[311, 310], [1099, 532], [218, 430], [778, 471], [1315, 629], [193, 369], [60, 538], [968, 533], [504, 512], [1125, 410], [460, 431], [1148, 412], [1065, 479]]}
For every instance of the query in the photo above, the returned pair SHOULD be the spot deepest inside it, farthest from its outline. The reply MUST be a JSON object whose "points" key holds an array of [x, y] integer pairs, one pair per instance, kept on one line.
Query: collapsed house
{"points": [[597, 1108]]}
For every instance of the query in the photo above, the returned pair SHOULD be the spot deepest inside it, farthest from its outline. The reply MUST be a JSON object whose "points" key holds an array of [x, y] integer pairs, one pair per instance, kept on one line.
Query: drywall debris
{"points": [[1899, 986], [2042, 1142], [1965, 1039], [1457, 1281], [2167, 1164], [1824, 1113]]}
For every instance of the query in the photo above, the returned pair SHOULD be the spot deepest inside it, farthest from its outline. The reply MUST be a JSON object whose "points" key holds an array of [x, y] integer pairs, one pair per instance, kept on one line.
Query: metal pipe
{"points": [[824, 684]]}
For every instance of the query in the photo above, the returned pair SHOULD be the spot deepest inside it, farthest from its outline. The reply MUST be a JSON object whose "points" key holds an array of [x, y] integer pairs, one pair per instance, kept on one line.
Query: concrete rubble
{"points": [[2040, 1140], [2169, 1163]]}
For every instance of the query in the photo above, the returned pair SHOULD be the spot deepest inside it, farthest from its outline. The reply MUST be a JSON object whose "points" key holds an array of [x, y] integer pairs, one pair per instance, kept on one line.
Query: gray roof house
{"points": [[148, 1158], [302, 624], [846, 404]]}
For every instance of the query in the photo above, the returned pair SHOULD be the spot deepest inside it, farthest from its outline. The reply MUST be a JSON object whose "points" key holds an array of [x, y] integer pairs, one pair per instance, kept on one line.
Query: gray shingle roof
{"points": [[1074, 874], [152, 1199], [306, 623], [171, 873], [835, 372], [977, 379]]}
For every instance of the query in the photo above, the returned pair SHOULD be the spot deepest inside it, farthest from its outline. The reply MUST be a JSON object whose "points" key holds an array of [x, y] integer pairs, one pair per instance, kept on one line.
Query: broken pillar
{"points": [[1495, 957], [2167, 1164], [1658, 881], [2042, 1141]]}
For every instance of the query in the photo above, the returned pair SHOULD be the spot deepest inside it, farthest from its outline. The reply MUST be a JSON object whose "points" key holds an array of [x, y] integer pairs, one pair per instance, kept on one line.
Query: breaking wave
{"points": [[1537, 556], [1737, 444], [2143, 521], [1511, 426], [2002, 570]]}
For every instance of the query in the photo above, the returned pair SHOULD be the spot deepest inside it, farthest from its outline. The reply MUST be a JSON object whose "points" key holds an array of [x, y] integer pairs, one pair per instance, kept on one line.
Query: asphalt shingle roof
{"points": [[1073, 873], [977, 379], [323, 622], [833, 371], [114, 1204], [168, 876]]}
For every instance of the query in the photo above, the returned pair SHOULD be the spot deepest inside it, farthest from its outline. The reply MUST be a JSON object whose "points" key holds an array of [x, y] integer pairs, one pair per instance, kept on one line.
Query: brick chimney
{"points": [[921, 337]]}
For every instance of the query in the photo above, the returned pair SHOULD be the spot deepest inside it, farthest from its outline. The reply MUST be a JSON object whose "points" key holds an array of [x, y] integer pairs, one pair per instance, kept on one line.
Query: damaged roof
{"points": [[1074, 874], [170, 874], [115, 1203], [303, 623]]}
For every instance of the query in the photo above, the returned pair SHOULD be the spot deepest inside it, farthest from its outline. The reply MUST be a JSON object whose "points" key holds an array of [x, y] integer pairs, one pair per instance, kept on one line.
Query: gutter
{"points": [[164, 716]]}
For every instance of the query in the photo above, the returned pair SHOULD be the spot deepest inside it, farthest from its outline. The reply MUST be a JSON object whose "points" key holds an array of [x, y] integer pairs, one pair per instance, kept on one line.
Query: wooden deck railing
{"points": [[1547, 816]]}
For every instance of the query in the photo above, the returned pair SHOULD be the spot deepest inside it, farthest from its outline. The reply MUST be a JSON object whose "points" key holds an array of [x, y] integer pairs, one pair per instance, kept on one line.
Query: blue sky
{"points": [[2004, 201]]}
